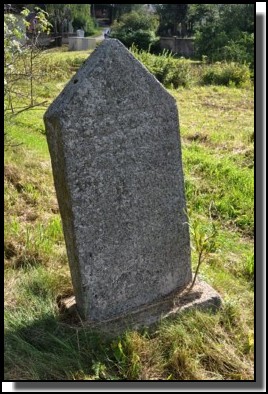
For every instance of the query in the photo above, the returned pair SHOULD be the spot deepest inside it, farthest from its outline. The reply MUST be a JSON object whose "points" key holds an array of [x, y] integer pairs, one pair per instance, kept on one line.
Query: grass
{"points": [[218, 152], [216, 129]]}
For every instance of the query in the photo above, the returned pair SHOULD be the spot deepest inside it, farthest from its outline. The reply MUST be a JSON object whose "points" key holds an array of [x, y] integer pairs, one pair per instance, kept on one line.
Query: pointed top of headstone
{"points": [[111, 78]]}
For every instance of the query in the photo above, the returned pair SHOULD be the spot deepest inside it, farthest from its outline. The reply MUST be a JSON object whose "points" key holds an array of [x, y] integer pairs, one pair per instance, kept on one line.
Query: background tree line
{"points": [[221, 31]]}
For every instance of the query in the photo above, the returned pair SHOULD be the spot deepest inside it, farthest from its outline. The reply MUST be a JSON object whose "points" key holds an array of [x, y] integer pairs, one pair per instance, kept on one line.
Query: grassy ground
{"points": [[217, 142]]}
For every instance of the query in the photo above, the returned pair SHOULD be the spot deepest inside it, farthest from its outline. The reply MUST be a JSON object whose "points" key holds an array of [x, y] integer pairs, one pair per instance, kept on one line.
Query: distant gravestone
{"points": [[116, 158], [80, 33]]}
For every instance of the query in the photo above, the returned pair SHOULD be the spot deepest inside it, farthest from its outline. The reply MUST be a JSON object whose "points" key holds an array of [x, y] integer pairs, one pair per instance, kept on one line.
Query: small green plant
{"points": [[120, 355], [99, 370], [204, 242]]}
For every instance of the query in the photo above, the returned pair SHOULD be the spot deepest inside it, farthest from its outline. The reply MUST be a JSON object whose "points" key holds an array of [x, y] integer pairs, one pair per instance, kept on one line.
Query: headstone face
{"points": [[116, 158]]}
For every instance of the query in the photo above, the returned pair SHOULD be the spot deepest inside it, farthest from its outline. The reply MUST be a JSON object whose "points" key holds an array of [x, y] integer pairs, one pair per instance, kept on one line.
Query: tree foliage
{"points": [[224, 31], [137, 28], [81, 18], [221, 31], [122, 9], [79, 14], [20, 53], [173, 18], [200, 14]]}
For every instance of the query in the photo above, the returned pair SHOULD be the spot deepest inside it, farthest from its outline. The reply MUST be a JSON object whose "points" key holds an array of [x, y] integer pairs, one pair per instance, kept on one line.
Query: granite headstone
{"points": [[113, 136]]}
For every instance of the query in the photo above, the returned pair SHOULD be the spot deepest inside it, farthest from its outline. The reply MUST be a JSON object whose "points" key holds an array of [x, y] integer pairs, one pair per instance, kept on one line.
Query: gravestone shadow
{"points": [[77, 347]]}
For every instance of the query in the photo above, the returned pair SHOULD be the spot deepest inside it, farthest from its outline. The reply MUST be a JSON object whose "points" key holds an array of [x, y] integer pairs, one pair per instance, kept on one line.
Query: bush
{"points": [[169, 71], [136, 28], [84, 22], [178, 73], [226, 74], [141, 38]]}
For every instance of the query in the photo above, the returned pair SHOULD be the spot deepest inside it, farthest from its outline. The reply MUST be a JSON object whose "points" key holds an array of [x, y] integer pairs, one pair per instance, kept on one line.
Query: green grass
{"points": [[41, 344]]}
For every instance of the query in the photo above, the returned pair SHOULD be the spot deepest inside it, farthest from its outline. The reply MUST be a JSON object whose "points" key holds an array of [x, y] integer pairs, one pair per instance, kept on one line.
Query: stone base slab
{"points": [[201, 296]]}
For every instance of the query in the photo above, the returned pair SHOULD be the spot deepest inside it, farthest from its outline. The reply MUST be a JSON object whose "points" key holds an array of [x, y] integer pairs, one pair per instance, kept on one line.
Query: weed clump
{"points": [[227, 74]]}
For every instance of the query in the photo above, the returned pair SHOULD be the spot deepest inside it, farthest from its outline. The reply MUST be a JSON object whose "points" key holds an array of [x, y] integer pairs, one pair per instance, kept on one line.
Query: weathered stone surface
{"points": [[116, 159]]}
